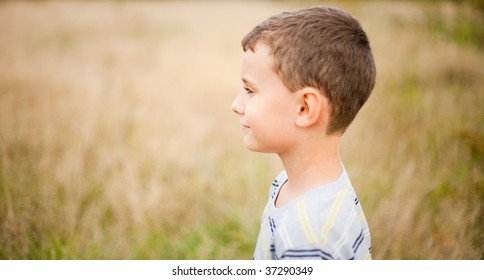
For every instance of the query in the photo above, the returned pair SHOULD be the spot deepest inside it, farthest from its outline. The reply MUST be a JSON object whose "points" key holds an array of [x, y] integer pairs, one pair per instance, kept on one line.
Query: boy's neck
{"points": [[309, 166]]}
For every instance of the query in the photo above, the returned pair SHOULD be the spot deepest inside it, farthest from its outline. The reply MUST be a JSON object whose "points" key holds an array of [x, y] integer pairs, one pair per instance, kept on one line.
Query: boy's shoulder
{"points": [[340, 192], [322, 216], [326, 204], [326, 222]]}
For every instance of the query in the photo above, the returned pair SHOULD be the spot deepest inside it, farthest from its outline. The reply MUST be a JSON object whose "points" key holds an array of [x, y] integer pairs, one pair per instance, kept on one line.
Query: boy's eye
{"points": [[248, 90]]}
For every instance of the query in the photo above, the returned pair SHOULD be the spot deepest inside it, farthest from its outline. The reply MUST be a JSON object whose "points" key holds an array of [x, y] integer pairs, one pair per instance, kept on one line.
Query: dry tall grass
{"points": [[117, 141]]}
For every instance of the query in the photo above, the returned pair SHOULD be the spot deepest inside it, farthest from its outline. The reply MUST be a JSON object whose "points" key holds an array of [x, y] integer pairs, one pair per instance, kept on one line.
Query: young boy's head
{"points": [[320, 48]]}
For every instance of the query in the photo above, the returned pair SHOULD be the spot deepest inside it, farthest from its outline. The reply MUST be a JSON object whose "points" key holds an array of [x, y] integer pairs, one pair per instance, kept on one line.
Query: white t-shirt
{"points": [[324, 223]]}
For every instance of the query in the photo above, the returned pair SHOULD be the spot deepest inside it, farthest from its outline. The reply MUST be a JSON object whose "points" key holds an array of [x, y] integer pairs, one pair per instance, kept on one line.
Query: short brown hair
{"points": [[324, 48]]}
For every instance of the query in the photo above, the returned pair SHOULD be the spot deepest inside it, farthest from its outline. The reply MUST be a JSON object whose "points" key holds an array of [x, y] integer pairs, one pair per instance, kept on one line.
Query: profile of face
{"points": [[267, 108]]}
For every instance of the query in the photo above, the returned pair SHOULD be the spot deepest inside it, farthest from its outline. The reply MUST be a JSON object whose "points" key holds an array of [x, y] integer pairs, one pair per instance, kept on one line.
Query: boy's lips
{"points": [[245, 126]]}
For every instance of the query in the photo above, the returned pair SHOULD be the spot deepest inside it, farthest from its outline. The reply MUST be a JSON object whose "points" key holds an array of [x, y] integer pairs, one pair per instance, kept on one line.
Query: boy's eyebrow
{"points": [[247, 82]]}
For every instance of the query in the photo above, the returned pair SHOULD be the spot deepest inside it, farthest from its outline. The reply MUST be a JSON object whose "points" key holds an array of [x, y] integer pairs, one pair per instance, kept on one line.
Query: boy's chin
{"points": [[253, 147]]}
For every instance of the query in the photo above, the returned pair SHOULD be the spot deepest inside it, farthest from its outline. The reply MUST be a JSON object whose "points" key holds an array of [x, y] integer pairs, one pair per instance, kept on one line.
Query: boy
{"points": [[306, 74]]}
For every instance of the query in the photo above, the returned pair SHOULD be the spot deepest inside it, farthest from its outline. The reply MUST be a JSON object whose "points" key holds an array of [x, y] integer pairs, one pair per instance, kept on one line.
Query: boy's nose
{"points": [[237, 106]]}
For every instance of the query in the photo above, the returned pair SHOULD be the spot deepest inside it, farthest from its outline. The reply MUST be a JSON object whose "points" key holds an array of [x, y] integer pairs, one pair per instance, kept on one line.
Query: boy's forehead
{"points": [[256, 61], [260, 49]]}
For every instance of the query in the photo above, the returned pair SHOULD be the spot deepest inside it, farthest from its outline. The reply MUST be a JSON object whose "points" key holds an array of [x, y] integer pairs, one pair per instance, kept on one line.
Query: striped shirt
{"points": [[324, 223]]}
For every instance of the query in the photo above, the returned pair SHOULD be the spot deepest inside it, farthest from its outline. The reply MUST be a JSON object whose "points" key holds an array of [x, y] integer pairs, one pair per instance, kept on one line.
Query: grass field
{"points": [[117, 140]]}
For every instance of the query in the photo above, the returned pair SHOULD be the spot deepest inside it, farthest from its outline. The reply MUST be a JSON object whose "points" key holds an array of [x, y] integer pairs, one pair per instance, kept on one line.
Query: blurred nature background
{"points": [[117, 140]]}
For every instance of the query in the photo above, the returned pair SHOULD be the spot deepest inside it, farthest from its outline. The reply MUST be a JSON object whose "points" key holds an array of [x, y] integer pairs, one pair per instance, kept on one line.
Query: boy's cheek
{"points": [[250, 114]]}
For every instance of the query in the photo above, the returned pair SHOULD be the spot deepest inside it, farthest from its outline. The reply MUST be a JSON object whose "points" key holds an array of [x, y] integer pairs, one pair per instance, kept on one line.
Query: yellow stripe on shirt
{"points": [[304, 221], [332, 215]]}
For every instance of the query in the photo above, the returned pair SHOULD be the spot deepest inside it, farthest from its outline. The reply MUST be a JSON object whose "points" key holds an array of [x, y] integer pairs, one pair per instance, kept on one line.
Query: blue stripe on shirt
{"points": [[272, 248], [358, 241], [310, 253]]}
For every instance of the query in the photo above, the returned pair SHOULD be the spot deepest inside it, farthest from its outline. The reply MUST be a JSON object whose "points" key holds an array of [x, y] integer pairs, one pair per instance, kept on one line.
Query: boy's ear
{"points": [[313, 107]]}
